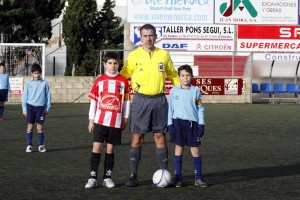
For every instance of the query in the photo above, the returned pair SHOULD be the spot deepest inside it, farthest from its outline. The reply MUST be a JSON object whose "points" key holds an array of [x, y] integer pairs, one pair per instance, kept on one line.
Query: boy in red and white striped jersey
{"points": [[108, 115]]}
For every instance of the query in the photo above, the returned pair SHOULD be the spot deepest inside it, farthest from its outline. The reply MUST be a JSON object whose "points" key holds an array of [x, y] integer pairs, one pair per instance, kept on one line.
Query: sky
{"points": [[118, 2]]}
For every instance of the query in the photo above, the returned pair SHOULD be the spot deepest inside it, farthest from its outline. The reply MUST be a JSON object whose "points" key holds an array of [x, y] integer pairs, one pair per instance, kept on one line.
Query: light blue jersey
{"points": [[185, 104], [4, 82], [36, 93]]}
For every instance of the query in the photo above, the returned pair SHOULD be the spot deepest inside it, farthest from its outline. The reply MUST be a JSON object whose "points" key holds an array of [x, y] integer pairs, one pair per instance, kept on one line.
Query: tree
{"points": [[113, 30], [86, 31], [28, 20], [113, 36], [81, 33], [90, 60]]}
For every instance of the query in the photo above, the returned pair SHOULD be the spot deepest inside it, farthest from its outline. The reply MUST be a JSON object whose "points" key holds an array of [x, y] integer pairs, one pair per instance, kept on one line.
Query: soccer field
{"points": [[250, 151]]}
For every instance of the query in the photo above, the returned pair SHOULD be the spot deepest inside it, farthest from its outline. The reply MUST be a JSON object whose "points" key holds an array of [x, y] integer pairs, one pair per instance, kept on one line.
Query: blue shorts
{"points": [[186, 133], [35, 114], [149, 113], [3, 95]]}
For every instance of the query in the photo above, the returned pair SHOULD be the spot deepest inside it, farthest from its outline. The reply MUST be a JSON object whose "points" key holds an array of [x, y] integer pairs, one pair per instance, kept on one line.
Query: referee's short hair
{"points": [[148, 26], [187, 68]]}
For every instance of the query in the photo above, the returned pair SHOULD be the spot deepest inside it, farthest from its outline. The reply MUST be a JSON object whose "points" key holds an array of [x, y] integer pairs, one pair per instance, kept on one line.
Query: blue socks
{"points": [[41, 138], [29, 138], [1, 110], [178, 166], [197, 166]]}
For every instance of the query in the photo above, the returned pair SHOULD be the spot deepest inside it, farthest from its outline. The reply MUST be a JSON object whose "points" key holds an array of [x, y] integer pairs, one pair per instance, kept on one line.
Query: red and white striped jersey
{"points": [[112, 98]]}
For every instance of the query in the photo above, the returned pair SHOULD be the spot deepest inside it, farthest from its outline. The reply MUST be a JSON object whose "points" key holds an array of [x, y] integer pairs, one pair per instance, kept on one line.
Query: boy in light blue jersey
{"points": [[4, 88], [186, 123], [36, 103]]}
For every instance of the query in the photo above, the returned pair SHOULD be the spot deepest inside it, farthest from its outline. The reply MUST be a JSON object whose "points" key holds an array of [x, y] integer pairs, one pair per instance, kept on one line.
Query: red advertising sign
{"points": [[269, 32], [268, 38], [219, 86], [213, 86]]}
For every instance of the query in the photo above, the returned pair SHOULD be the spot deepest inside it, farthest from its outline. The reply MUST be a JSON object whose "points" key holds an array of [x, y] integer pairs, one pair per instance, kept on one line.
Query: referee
{"points": [[148, 67]]}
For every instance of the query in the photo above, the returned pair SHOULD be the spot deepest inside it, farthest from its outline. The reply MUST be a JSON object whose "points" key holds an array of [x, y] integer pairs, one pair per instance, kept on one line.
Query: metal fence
{"points": [[18, 58]]}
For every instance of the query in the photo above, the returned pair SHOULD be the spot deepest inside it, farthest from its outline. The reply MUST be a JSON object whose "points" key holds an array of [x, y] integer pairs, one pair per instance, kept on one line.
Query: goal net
{"points": [[19, 57]]}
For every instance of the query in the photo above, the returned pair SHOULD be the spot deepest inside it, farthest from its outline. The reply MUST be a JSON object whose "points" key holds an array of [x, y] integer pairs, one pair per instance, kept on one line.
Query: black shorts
{"points": [[109, 134], [3, 95]]}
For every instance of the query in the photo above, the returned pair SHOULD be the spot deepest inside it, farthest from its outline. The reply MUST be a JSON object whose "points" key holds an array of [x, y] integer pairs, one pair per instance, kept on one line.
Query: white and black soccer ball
{"points": [[162, 178]]}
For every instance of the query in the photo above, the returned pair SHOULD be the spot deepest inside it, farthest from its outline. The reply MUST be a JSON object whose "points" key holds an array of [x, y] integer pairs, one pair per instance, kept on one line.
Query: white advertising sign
{"points": [[277, 56], [256, 12], [189, 37], [16, 85], [170, 11]]}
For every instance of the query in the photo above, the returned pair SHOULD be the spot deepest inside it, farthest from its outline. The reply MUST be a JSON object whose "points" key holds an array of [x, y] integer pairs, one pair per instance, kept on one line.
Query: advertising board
{"points": [[213, 86], [268, 38], [170, 11], [189, 37], [256, 12], [16, 85]]}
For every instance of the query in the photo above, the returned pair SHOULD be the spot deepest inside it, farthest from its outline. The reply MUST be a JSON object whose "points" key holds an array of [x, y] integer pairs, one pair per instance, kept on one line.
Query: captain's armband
{"points": [[127, 97]]}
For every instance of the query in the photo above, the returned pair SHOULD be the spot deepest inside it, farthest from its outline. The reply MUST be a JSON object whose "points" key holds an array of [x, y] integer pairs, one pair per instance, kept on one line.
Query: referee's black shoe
{"points": [[132, 182], [177, 182]]}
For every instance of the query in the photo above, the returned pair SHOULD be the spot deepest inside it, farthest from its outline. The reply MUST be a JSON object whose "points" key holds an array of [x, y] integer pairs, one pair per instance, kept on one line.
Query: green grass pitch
{"points": [[249, 152]]}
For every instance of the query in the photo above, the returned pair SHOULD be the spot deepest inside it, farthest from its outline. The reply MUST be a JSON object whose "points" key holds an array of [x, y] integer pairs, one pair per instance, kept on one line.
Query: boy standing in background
{"points": [[4, 88], [36, 102]]}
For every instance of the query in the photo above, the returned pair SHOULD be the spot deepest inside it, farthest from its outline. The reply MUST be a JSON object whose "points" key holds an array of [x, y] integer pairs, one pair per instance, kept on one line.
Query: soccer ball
{"points": [[162, 178]]}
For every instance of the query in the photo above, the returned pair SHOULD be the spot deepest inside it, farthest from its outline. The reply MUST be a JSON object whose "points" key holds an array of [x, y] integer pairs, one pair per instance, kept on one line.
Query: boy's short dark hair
{"points": [[187, 68], [36, 67], [2, 64], [148, 26], [111, 55]]}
